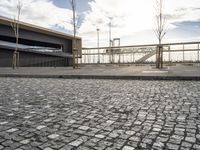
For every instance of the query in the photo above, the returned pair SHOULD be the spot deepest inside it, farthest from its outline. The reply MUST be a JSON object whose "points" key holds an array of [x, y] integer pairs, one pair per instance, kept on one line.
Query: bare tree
{"points": [[76, 19], [160, 31], [15, 27]]}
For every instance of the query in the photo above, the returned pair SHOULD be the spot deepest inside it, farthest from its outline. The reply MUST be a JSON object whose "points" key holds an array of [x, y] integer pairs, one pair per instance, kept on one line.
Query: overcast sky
{"points": [[132, 20]]}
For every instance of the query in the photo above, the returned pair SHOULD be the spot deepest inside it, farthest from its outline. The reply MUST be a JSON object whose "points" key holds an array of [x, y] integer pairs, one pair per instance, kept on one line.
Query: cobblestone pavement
{"points": [[99, 114]]}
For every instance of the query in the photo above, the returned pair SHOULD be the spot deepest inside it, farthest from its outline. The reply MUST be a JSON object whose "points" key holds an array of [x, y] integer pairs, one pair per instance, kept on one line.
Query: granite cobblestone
{"points": [[99, 114]]}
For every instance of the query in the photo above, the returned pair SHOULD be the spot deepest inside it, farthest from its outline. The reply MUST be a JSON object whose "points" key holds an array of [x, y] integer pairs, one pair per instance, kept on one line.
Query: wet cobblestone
{"points": [[99, 114]]}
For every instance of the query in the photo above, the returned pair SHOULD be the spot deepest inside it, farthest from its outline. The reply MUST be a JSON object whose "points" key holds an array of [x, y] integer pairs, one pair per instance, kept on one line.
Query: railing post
{"points": [[123, 57], [18, 65], [157, 56], [169, 53], [81, 61], [84, 55], [103, 57], [198, 53], [183, 53], [88, 56], [93, 57], [131, 57], [120, 56]]}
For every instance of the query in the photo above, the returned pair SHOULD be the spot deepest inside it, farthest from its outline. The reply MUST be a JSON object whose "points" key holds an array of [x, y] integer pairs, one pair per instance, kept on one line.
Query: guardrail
{"points": [[172, 52]]}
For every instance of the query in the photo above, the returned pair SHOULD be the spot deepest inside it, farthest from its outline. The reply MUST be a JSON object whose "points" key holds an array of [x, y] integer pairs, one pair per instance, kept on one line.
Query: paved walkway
{"points": [[107, 72], [99, 114]]}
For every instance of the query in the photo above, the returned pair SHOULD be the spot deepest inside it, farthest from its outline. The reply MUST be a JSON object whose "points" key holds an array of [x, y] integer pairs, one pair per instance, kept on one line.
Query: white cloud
{"points": [[39, 12], [132, 18]]}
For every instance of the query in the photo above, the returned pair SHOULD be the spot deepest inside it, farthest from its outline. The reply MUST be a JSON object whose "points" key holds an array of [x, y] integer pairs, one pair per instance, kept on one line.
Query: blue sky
{"points": [[81, 7], [133, 21]]}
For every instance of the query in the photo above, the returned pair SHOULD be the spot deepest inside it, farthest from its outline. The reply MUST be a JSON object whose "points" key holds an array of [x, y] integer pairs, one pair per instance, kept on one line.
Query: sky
{"points": [[133, 21]]}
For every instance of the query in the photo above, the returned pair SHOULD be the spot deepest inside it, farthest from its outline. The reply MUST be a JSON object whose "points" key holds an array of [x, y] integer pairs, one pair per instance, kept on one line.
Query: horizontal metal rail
{"points": [[187, 50], [146, 45], [141, 53]]}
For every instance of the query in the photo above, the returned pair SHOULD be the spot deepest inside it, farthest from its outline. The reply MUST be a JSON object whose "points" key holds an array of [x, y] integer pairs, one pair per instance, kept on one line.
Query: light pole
{"points": [[110, 41], [110, 25], [98, 44]]}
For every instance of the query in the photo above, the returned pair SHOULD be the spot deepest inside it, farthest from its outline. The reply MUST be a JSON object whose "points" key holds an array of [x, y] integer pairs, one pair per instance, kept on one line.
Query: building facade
{"points": [[37, 46]]}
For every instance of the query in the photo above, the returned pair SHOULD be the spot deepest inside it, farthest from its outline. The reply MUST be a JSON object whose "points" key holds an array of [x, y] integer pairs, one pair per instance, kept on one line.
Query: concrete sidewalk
{"points": [[178, 72]]}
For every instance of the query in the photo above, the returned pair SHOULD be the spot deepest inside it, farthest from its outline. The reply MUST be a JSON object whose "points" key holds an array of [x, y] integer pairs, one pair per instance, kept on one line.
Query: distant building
{"points": [[38, 46]]}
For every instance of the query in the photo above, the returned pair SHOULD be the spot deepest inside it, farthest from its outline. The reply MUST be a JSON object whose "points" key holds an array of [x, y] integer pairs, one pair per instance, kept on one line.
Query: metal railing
{"points": [[172, 52]]}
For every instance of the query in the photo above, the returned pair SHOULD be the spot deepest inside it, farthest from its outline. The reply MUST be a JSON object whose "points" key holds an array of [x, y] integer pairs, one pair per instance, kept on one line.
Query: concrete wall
{"points": [[28, 59], [35, 38]]}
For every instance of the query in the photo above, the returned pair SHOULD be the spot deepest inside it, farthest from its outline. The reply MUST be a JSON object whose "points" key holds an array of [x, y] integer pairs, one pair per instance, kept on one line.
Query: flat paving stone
{"points": [[53, 136], [25, 141], [3, 123], [99, 114], [76, 143], [84, 128], [48, 148], [99, 136], [128, 148], [40, 127], [1, 147], [12, 130]]}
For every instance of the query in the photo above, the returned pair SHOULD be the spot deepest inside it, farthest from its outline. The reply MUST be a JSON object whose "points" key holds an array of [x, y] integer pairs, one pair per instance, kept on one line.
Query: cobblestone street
{"points": [[99, 114]]}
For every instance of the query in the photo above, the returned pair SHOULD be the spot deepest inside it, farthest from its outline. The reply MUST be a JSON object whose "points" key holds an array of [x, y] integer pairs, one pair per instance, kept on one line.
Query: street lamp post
{"points": [[110, 41], [98, 44]]}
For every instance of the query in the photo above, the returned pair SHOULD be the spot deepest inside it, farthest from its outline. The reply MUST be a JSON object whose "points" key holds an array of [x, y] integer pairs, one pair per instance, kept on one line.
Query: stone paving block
{"points": [[190, 139], [173, 146], [128, 148], [130, 132], [99, 114], [40, 127], [48, 148], [100, 136], [158, 144], [3, 123], [25, 141], [7, 143], [47, 120], [134, 138], [12, 130], [196, 146], [84, 128], [76, 143], [67, 147], [1, 147], [186, 144], [53, 136]]}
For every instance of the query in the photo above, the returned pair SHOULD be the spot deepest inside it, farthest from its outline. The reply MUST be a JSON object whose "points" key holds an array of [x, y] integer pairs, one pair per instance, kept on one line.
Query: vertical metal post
{"points": [[113, 58], [18, 65], [98, 44], [88, 56], [198, 53], [169, 54], [93, 57], [131, 54], [84, 56], [183, 53], [119, 58], [110, 41], [123, 57], [103, 57], [81, 60], [157, 56]]}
